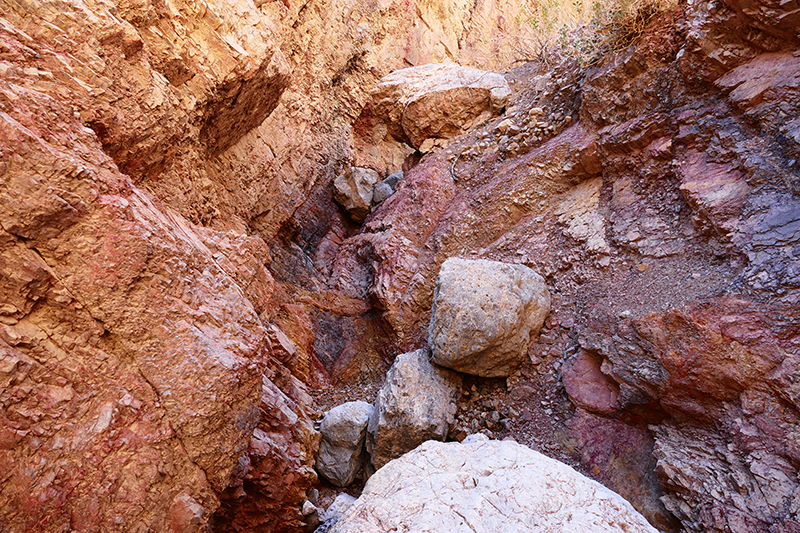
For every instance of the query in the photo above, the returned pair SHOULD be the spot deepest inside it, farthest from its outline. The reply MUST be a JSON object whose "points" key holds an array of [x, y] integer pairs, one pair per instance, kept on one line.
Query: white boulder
{"points": [[486, 486]]}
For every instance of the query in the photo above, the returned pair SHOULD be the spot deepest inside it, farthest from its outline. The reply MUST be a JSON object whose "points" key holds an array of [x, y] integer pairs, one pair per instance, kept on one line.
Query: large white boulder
{"points": [[341, 452], [438, 100], [417, 402], [484, 314], [486, 486]]}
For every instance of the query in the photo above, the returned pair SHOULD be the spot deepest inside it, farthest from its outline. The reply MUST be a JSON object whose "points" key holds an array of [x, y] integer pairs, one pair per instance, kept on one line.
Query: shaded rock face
{"points": [[341, 453], [486, 486], [416, 403], [484, 315], [269, 483]]}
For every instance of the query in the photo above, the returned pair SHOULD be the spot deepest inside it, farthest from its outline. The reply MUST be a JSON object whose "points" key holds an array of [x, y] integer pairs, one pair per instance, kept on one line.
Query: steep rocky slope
{"points": [[660, 198], [175, 274]]}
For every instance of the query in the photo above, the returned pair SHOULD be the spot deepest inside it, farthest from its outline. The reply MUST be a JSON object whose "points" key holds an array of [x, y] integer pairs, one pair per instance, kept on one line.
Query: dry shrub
{"points": [[627, 20], [585, 32]]}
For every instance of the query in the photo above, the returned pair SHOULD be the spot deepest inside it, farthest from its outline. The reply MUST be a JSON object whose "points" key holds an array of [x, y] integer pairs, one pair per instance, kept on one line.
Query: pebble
{"points": [[308, 508]]}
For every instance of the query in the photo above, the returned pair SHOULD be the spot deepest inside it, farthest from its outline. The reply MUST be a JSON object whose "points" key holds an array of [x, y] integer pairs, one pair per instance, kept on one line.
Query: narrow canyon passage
{"points": [[221, 220]]}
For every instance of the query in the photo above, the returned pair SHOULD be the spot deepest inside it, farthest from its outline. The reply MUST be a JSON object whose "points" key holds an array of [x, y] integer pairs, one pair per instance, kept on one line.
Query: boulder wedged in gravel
{"points": [[416, 403], [438, 100], [484, 314], [341, 452], [486, 486]]}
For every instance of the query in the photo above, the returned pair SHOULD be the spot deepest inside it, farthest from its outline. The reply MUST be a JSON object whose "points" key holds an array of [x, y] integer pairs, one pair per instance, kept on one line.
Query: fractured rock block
{"points": [[353, 190], [484, 313], [416, 403], [343, 429]]}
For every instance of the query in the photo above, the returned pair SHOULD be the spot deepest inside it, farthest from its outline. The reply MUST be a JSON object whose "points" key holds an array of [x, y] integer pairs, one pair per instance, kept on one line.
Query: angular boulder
{"points": [[341, 452], [353, 191], [484, 313], [438, 101], [483, 485], [416, 403]]}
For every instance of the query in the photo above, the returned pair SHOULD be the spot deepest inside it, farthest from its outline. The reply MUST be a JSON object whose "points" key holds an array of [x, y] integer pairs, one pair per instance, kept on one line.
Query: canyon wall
{"points": [[175, 273], [153, 368]]}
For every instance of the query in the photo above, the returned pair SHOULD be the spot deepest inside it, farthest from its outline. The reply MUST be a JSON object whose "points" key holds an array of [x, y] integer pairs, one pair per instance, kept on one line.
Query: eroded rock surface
{"points": [[483, 485], [416, 403], [484, 315]]}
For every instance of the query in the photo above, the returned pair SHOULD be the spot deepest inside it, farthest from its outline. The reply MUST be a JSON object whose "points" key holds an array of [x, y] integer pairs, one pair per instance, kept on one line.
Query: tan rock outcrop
{"points": [[437, 101]]}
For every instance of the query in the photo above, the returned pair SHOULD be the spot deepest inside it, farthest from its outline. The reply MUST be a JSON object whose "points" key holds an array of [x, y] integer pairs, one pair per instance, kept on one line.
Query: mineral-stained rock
{"points": [[484, 314], [270, 482], [416, 403], [353, 191], [587, 386], [719, 369], [437, 100], [341, 452], [621, 457], [483, 485]]}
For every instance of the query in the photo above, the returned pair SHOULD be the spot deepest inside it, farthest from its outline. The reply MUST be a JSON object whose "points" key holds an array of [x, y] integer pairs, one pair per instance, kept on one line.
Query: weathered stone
{"points": [[484, 314], [417, 402], [341, 453], [353, 190], [386, 188], [484, 485], [437, 101], [334, 513]]}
